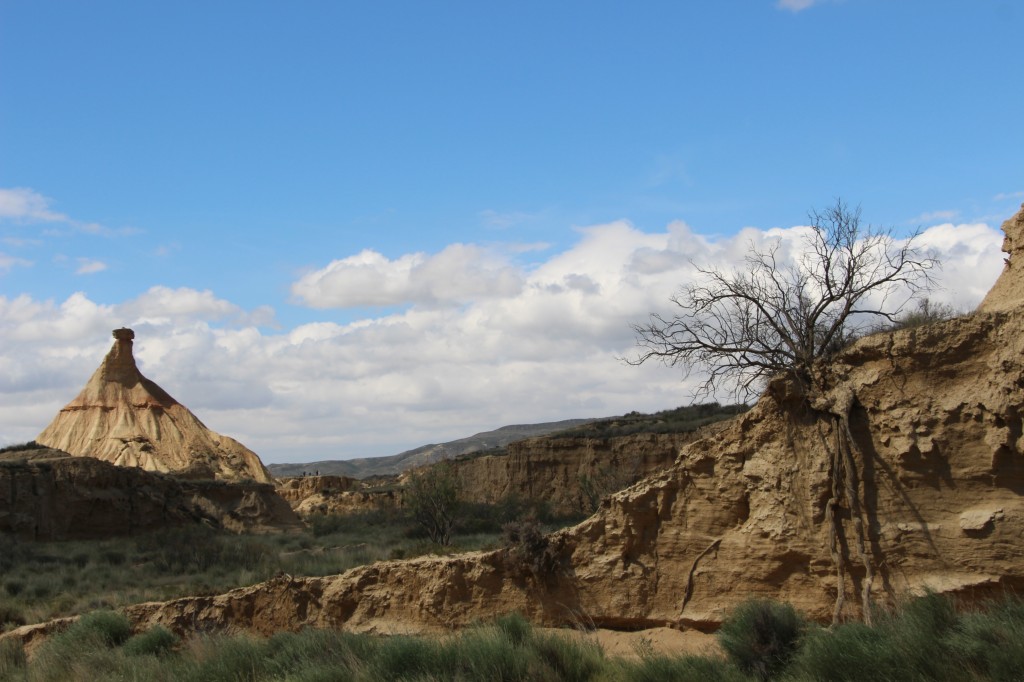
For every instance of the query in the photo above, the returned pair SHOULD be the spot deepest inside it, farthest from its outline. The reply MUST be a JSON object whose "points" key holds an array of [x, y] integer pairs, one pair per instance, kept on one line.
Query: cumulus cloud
{"points": [[87, 266], [542, 348], [457, 274]]}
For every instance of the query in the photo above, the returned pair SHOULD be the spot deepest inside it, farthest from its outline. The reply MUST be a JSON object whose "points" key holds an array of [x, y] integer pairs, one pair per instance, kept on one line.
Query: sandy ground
{"points": [[665, 641]]}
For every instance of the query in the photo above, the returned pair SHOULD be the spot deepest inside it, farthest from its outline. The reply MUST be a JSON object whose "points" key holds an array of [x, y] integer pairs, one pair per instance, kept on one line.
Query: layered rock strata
{"points": [[48, 495], [123, 418]]}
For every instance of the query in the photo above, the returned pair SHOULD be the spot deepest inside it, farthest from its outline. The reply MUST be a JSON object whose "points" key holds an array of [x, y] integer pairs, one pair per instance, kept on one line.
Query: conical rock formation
{"points": [[123, 418]]}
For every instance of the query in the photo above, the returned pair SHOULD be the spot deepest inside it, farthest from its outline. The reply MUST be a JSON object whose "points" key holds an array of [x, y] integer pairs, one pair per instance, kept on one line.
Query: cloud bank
{"points": [[473, 340]]}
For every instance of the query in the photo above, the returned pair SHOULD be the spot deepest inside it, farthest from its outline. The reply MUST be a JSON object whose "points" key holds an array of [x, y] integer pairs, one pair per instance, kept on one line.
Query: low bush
{"points": [[529, 549], [12, 659], [761, 637], [156, 641]]}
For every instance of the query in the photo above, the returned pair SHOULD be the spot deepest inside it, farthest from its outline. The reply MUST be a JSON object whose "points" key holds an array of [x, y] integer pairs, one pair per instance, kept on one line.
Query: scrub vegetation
{"points": [[44, 580], [925, 639]]}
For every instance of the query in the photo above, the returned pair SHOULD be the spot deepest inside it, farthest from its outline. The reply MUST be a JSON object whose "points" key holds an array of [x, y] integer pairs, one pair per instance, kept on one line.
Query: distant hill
{"points": [[395, 464]]}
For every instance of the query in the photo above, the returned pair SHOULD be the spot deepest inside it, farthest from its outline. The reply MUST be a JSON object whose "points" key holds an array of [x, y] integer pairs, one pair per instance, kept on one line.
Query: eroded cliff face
{"points": [[569, 474], [49, 495]]}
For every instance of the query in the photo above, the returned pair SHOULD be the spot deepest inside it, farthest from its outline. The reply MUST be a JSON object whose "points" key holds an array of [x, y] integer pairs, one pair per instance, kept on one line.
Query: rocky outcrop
{"points": [[570, 474], [336, 495], [49, 495], [1008, 291], [123, 418]]}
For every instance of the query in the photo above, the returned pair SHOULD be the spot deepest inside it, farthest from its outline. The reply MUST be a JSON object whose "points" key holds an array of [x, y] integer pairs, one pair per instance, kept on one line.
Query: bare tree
{"points": [[432, 496], [773, 317], [745, 326]]}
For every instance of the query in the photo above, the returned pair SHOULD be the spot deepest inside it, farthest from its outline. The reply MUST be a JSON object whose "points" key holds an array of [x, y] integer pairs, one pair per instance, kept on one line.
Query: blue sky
{"points": [[266, 190]]}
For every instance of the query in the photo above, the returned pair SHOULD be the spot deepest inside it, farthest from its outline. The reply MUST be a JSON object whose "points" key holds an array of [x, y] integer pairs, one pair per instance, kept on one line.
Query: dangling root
{"points": [[846, 483], [833, 538], [857, 512]]}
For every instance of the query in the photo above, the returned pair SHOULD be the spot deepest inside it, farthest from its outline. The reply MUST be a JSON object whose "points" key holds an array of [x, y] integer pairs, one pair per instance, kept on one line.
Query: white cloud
{"points": [[541, 350], [796, 5], [457, 274], [87, 266], [7, 263], [1003, 196], [24, 204], [931, 217]]}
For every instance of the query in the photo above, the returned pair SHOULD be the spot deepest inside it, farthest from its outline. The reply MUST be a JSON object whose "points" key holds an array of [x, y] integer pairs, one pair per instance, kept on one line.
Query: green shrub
{"points": [[12, 659], [11, 616], [156, 641], [404, 658], [761, 636], [851, 652], [229, 659], [107, 627], [569, 660], [516, 629]]}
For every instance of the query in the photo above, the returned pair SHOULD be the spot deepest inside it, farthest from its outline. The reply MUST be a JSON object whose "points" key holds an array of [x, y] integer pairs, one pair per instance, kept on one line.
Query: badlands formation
{"points": [[931, 420], [123, 418], [47, 495]]}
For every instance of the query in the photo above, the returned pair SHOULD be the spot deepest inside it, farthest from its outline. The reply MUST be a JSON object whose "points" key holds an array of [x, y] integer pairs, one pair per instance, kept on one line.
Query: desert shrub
{"points": [[156, 641], [678, 420], [926, 312], [569, 660], [316, 654], [197, 549], [13, 587], [404, 658], [368, 522], [991, 643], [760, 637], [514, 628], [228, 659], [31, 445], [11, 616], [527, 547], [12, 659], [106, 627], [853, 652]]}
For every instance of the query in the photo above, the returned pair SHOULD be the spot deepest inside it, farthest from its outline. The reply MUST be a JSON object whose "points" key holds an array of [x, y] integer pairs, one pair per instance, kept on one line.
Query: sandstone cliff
{"points": [[48, 495], [124, 418], [935, 416], [570, 474]]}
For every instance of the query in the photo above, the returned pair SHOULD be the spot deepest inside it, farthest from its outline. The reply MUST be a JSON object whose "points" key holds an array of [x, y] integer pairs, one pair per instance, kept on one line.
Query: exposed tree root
{"points": [[845, 487]]}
